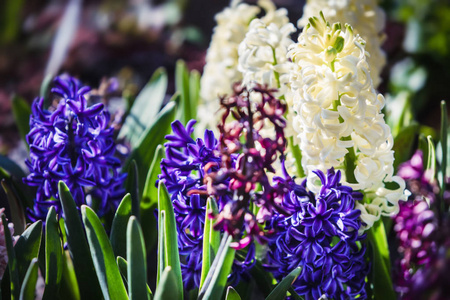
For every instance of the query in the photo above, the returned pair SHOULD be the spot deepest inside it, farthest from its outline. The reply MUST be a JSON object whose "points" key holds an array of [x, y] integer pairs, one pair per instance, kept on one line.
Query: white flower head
{"points": [[338, 115], [220, 72], [367, 19]]}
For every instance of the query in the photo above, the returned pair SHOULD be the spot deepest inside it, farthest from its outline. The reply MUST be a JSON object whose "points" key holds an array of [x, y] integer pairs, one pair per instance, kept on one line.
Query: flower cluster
{"points": [[422, 235], [73, 143], [184, 170], [247, 156], [366, 17], [220, 72], [339, 120], [319, 234]]}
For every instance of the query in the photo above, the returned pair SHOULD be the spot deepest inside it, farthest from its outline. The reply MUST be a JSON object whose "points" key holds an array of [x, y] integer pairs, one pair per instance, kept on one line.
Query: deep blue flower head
{"points": [[320, 234], [74, 143], [183, 171]]}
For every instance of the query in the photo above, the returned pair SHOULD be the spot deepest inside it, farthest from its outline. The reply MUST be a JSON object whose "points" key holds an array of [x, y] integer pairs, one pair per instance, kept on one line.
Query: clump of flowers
{"points": [[184, 170], [319, 234], [367, 19], [246, 157], [339, 120], [72, 142], [220, 72], [422, 234]]}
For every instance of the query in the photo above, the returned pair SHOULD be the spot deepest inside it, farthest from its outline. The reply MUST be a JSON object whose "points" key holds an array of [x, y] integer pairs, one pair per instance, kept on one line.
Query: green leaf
{"points": [[78, 246], [123, 268], [144, 111], [27, 247], [263, 279], [216, 280], [29, 283], [12, 261], [431, 161], [444, 151], [137, 263], [169, 242], [149, 200], [211, 240], [11, 167], [168, 287], [11, 20], [102, 254], [53, 256], [194, 92], [403, 143], [182, 86], [22, 111], [119, 227], [160, 256], [279, 292], [45, 88], [17, 212], [381, 266], [69, 289], [232, 294], [150, 139], [133, 179]]}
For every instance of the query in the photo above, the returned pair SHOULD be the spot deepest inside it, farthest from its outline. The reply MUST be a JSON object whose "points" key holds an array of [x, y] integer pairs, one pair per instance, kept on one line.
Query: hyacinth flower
{"points": [[423, 236], [72, 142], [319, 234], [367, 19], [183, 172], [246, 159], [339, 120]]}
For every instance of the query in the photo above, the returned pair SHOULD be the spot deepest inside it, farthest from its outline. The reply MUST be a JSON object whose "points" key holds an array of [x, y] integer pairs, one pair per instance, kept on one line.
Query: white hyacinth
{"points": [[220, 72], [338, 116], [263, 60], [367, 19]]}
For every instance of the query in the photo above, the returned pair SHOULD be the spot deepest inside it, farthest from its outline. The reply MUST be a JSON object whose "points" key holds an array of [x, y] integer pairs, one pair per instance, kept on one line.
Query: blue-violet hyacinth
{"points": [[183, 172], [320, 235], [72, 142]]}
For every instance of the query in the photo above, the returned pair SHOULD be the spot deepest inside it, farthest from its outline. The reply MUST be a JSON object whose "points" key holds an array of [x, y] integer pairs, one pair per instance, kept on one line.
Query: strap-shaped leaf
{"points": [[145, 107], [29, 283], [168, 287], [78, 246], [53, 256], [22, 111], [17, 212], [381, 272], [27, 247], [153, 136], [232, 294], [279, 292], [170, 237], [194, 91], [123, 268], [216, 280], [185, 112], [211, 240], [133, 187], [137, 263], [118, 235], [444, 152], [431, 162], [149, 200], [102, 254], [12, 261]]}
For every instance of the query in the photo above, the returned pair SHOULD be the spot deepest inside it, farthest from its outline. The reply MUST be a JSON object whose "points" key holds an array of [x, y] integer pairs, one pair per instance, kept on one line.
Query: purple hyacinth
{"points": [[72, 142], [183, 172], [320, 234]]}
